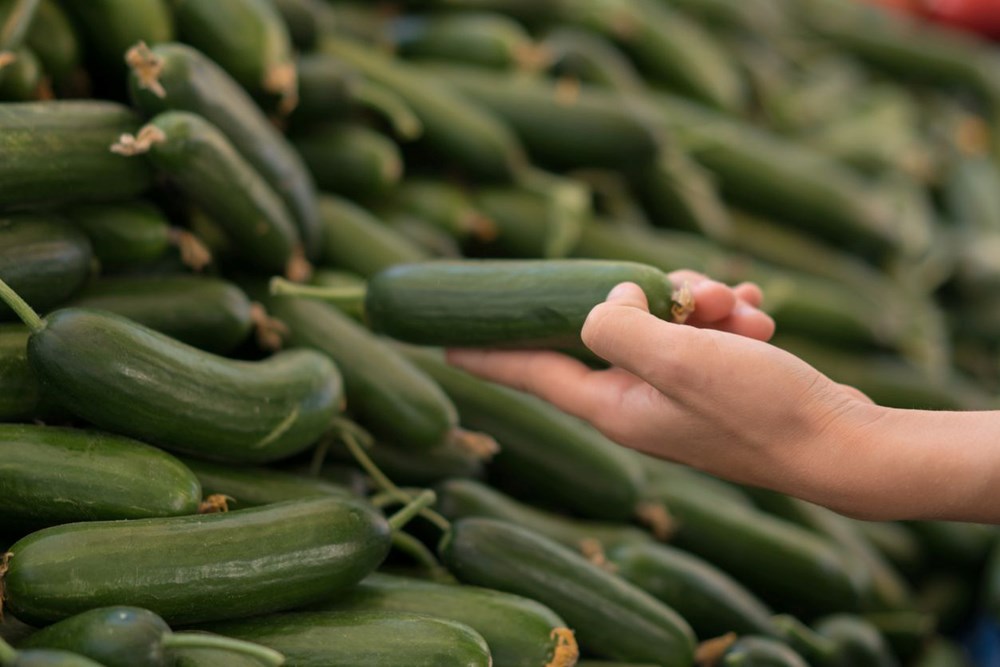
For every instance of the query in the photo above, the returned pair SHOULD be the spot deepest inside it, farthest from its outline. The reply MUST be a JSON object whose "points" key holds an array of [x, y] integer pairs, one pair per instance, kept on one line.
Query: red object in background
{"points": [[982, 16]]}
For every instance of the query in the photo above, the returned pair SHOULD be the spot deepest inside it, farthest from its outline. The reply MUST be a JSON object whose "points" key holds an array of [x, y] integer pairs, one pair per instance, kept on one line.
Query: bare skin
{"points": [[713, 394]]}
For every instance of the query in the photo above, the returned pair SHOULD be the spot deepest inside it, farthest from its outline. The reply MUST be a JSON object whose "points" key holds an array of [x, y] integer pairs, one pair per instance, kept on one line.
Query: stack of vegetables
{"points": [[202, 463]]}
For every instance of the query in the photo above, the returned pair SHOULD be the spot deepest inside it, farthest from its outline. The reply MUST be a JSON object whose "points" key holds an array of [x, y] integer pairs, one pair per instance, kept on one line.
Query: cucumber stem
{"points": [[264, 654], [403, 516], [404, 122], [340, 296], [417, 550], [21, 308], [7, 653]]}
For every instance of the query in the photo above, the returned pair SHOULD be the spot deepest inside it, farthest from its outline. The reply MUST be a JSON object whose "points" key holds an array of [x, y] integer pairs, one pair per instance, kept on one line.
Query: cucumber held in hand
{"points": [[525, 303]]}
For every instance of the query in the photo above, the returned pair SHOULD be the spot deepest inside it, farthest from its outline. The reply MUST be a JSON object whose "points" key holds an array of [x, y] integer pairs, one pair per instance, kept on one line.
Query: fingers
{"points": [[745, 320], [750, 293], [732, 309]]}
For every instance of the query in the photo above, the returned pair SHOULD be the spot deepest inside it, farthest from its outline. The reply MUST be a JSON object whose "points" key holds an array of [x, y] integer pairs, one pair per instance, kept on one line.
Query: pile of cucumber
{"points": [[203, 464]]}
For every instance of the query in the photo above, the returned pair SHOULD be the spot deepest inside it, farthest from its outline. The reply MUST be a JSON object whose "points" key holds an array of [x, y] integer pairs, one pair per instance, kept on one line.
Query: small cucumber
{"points": [[23, 79], [579, 54], [530, 224], [54, 475], [433, 239], [753, 651], [207, 313], [490, 303], [42, 658], [207, 168], [474, 38], [421, 467], [445, 205], [198, 568], [112, 26], [54, 40], [134, 637], [246, 486], [519, 631], [859, 643], [212, 657], [20, 393], [350, 159], [43, 258], [125, 234], [610, 616], [306, 21]]}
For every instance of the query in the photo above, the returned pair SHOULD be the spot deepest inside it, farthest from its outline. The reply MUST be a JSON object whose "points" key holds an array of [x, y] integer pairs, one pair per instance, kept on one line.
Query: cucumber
{"points": [[112, 26], [54, 475], [343, 279], [529, 223], [20, 393], [579, 54], [123, 235], [812, 646], [248, 39], [54, 40], [212, 657], [350, 159], [434, 240], [443, 204], [519, 631], [127, 378], [859, 643], [57, 152], [208, 170], [23, 79], [753, 651], [42, 658], [246, 486], [361, 639], [306, 21], [490, 303], [134, 637], [710, 600], [610, 616], [43, 258], [207, 313], [198, 568], [179, 77], [544, 453], [482, 39], [421, 467]]}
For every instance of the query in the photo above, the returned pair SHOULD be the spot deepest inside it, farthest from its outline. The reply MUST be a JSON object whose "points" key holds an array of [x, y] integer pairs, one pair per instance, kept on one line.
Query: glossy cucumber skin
{"points": [[115, 636], [57, 152], [610, 616], [207, 313], [130, 379], [192, 82], [123, 234], [43, 259], [248, 486], [543, 451], [518, 630], [361, 639], [51, 658], [351, 160], [488, 303], [20, 393], [208, 169], [198, 568], [54, 475], [753, 651], [392, 398]]}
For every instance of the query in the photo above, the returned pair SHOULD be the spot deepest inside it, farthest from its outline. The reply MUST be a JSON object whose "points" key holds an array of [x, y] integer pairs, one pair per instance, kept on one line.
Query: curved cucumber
{"points": [[123, 234], [53, 475], [198, 568], [361, 639], [523, 303], [519, 631], [753, 651], [611, 617], [247, 486]]}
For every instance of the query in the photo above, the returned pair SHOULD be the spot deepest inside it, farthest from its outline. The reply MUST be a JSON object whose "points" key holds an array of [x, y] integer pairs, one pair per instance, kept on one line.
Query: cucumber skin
{"points": [[518, 630], [50, 658], [754, 651], [506, 303], [112, 26], [351, 160], [124, 234], [360, 639], [198, 568], [20, 392], [52, 476], [611, 617], [252, 486], [127, 378], [210, 657]]}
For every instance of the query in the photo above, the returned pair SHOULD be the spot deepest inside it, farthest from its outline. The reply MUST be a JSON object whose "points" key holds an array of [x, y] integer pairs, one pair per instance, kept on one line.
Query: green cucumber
{"points": [[58, 152], [134, 637], [753, 651], [954, 544], [421, 467], [519, 631], [578, 54], [178, 77], [246, 486], [54, 40], [53, 475], [23, 79], [198, 568], [814, 647], [212, 657], [350, 159], [347, 280], [544, 453], [529, 223], [611, 617], [443, 204], [41, 658], [489, 303], [125, 234], [943, 652], [127, 378], [20, 392], [859, 643], [709, 599], [248, 39], [306, 21], [207, 313], [433, 239], [209, 170], [111, 27], [43, 258], [361, 639], [461, 498], [896, 544], [482, 39]]}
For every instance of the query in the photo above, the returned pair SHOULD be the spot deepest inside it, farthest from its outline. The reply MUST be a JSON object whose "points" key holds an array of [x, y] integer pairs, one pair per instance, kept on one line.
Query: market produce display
{"points": [[235, 234]]}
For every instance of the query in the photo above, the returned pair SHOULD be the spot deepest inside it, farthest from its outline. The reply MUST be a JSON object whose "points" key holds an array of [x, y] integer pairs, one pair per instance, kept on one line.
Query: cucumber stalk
{"points": [[346, 297], [7, 653], [21, 308], [404, 122], [260, 653], [403, 516]]}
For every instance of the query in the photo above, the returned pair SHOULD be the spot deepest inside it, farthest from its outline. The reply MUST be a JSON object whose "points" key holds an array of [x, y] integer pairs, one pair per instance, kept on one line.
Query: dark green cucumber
{"points": [[610, 616], [58, 152], [20, 392], [753, 651], [207, 168], [710, 600], [487, 303], [859, 643], [473, 38], [544, 453], [207, 313], [53, 475], [433, 239], [421, 467], [127, 378], [42, 658], [954, 544], [350, 159], [445, 205], [134, 637], [111, 27], [124, 234], [306, 21], [212, 657], [675, 475], [530, 224], [246, 486], [54, 40], [519, 631], [461, 498], [198, 568], [579, 54], [43, 258], [248, 39], [23, 79], [943, 652], [391, 397], [896, 544], [361, 639], [178, 77], [812, 646], [357, 241]]}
